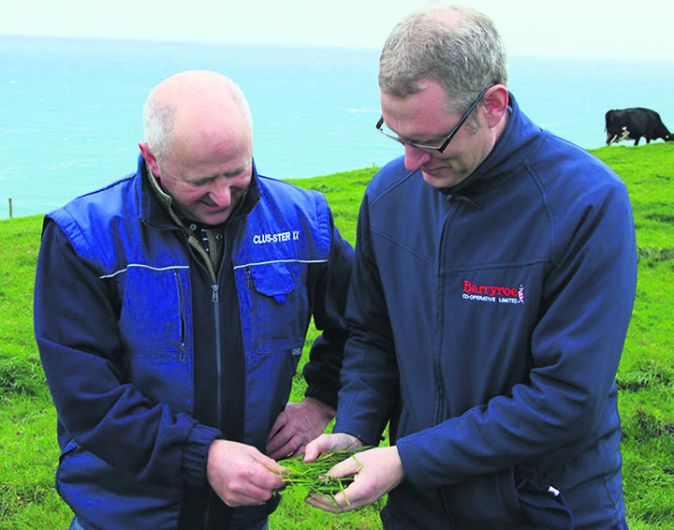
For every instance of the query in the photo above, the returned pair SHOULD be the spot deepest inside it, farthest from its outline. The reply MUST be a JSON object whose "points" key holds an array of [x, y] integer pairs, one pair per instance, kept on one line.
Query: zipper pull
{"points": [[214, 298]]}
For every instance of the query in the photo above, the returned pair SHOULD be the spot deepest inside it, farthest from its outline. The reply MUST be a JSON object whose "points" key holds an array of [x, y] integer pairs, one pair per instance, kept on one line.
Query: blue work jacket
{"points": [[150, 354]]}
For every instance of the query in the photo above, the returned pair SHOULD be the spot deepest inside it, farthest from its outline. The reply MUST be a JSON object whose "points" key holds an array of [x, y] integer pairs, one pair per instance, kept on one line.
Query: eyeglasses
{"points": [[447, 138]]}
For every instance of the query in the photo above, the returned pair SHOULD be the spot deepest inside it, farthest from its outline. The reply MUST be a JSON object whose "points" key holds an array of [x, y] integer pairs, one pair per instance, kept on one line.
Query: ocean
{"points": [[71, 109]]}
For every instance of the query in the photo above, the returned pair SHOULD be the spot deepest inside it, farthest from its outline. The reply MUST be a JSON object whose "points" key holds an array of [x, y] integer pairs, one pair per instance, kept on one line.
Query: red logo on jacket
{"points": [[493, 293]]}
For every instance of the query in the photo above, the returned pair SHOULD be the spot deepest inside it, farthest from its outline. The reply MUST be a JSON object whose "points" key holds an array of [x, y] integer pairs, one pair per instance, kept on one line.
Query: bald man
{"points": [[171, 309]]}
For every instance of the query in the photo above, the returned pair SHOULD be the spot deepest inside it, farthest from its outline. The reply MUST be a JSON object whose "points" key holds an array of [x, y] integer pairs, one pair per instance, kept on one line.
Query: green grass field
{"points": [[28, 448]]}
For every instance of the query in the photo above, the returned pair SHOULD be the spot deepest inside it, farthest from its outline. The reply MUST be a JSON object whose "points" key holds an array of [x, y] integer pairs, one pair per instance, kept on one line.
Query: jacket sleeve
{"points": [[330, 288], [370, 374], [81, 353], [576, 345]]}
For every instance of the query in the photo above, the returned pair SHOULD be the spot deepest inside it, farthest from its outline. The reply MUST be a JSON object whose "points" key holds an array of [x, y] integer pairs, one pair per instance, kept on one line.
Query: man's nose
{"points": [[415, 158], [221, 194]]}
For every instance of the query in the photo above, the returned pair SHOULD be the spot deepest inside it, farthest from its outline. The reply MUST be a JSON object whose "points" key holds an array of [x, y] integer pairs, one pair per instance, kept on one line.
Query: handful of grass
{"points": [[311, 477]]}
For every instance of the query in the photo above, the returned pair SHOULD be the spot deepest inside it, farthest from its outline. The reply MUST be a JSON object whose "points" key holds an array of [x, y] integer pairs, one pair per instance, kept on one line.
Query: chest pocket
{"points": [[274, 306], [273, 280]]}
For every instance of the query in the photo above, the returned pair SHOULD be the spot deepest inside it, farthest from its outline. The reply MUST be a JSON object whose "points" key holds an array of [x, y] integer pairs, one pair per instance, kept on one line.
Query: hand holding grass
{"points": [[374, 473], [241, 475]]}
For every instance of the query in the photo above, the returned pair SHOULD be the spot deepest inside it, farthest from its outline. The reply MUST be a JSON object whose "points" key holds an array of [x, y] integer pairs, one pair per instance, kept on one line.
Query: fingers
{"points": [[252, 489], [350, 466], [300, 450], [344, 500], [318, 446], [278, 426], [330, 442], [287, 434], [257, 477], [270, 465], [276, 442], [298, 424], [288, 448], [246, 494], [376, 472], [241, 475], [338, 503], [359, 493], [256, 486]]}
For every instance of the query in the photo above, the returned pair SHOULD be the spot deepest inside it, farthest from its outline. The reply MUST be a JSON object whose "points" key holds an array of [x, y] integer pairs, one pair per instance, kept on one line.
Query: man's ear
{"points": [[149, 158], [495, 104]]}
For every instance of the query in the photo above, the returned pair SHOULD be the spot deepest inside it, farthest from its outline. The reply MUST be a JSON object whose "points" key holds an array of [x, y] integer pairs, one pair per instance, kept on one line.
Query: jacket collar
{"points": [[509, 153], [156, 214]]}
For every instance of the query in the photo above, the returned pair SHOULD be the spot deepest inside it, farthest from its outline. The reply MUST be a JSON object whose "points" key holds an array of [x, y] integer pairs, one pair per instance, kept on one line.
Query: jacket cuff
{"points": [[195, 454], [327, 396], [407, 451]]}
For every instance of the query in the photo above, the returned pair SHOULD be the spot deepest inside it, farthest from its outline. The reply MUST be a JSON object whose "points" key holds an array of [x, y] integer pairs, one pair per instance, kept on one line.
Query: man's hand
{"points": [[376, 472], [330, 442], [241, 475], [297, 425]]}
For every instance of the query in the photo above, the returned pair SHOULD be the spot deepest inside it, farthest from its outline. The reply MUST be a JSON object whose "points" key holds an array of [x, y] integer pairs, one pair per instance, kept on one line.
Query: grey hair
{"points": [[159, 119], [464, 58]]}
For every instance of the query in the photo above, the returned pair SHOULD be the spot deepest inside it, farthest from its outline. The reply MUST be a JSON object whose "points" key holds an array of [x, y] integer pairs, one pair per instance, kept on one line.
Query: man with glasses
{"points": [[492, 290], [171, 309]]}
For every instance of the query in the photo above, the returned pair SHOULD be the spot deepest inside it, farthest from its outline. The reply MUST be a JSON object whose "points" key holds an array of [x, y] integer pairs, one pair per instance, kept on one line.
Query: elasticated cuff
{"points": [[327, 396], [195, 454], [407, 451]]}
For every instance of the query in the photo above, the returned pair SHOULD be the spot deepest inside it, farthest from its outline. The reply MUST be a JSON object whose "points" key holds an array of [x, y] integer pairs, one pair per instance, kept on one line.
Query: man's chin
{"points": [[214, 218], [442, 178], [437, 180]]}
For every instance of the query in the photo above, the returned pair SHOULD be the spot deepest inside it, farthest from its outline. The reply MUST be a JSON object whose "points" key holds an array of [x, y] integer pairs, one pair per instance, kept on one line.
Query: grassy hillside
{"points": [[28, 449]]}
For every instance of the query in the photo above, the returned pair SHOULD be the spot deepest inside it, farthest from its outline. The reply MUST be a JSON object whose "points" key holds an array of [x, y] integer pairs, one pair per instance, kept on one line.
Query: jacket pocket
{"points": [[153, 317], [544, 507], [487, 501], [274, 306], [103, 496], [155, 324], [504, 500], [274, 280]]}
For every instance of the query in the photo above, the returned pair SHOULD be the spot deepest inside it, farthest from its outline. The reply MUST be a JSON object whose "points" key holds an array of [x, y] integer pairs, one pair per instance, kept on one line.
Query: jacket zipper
{"points": [[215, 299], [215, 303], [437, 366], [181, 350]]}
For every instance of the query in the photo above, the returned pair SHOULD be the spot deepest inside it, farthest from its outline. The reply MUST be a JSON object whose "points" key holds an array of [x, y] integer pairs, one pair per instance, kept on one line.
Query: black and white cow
{"points": [[632, 124]]}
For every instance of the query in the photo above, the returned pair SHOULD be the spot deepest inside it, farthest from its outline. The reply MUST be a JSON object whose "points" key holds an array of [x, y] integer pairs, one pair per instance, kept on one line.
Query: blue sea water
{"points": [[70, 110]]}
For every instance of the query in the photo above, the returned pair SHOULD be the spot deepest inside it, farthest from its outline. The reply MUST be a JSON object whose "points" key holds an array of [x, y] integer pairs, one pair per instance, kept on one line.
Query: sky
{"points": [[573, 28]]}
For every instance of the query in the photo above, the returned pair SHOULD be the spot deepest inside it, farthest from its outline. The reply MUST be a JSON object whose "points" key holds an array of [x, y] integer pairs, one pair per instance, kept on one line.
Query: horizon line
{"points": [[321, 46]]}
